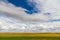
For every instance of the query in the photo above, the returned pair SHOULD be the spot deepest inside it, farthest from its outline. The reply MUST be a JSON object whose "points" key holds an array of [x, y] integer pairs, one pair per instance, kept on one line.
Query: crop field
{"points": [[29, 36]]}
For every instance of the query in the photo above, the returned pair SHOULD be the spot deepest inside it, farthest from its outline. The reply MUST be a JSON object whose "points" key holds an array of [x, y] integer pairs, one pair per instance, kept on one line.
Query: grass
{"points": [[29, 36]]}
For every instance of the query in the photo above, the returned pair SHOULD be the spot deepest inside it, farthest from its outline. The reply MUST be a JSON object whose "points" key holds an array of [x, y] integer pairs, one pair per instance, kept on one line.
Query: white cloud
{"points": [[18, 13], [42, 5]]}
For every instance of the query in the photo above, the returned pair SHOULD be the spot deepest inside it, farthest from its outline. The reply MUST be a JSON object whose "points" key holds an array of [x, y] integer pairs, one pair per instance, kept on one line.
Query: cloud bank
{"points": [[50, 10], [45, 7], [20, 13]]}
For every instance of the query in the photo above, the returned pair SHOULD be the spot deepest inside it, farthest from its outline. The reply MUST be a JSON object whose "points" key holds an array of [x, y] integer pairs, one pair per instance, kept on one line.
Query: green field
{"points": [[29, 36]]}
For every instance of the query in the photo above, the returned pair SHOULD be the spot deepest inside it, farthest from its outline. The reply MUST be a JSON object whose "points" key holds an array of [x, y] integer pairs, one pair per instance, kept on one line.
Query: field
{"points": [[29, 36]]}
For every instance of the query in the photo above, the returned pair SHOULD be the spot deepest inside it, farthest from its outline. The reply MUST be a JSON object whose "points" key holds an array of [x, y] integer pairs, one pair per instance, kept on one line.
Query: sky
{"points": [[24, 4], [24, 13]]}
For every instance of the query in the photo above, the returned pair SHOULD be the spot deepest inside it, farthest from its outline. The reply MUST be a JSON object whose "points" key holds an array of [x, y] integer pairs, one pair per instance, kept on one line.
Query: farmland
{"points": [[29, 36]]}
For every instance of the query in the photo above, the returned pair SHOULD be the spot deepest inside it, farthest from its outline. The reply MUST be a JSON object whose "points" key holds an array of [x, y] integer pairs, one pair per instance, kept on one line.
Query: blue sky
{"points": [[24, 4], [31, 10], [15, 16]]}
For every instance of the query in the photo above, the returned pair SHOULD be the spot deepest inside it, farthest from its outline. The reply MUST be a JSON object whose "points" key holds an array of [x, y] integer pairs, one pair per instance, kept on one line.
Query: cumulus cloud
{"points": [[45, 7], [50, 10], [20, 13]]}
